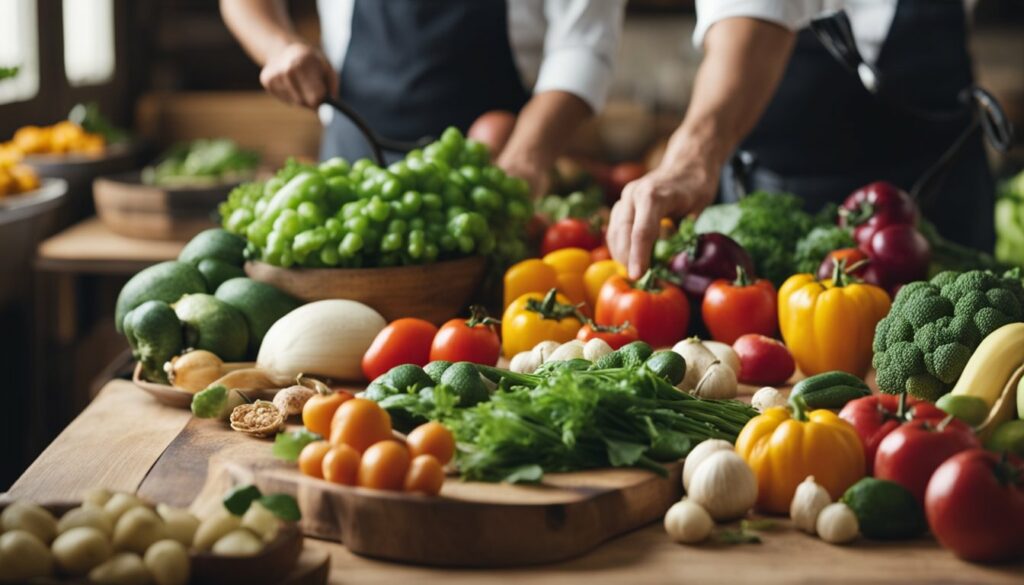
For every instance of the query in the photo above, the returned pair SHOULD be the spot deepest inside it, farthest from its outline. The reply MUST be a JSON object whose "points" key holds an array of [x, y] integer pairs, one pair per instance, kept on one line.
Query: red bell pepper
{"points": [[659, 311], [874, 417]]}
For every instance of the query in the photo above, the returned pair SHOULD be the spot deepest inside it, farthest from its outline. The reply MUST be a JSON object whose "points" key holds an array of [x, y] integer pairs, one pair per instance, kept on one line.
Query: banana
{"points": [[993, 364]]}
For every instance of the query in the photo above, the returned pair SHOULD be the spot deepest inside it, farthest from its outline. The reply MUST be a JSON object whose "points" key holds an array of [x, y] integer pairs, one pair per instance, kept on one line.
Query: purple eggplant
{"points": [[711, 257]]}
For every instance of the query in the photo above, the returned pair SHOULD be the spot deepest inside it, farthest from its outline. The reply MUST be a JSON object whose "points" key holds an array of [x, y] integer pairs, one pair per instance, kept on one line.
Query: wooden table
{"points": [[126, 441]]}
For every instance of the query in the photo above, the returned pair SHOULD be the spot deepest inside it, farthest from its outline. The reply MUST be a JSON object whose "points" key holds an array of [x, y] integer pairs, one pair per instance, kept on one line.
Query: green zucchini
{"points": [[829, 390]]}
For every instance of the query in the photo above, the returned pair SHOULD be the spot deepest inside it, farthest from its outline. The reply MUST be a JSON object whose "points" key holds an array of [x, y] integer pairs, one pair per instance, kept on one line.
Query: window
{"points": [[19, 48], [88, 41]]}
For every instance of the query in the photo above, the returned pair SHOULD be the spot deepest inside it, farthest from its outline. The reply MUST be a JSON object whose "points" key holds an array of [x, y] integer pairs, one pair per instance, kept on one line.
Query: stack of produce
{"points": [[202, 162], [64, 137], [446, 201]]}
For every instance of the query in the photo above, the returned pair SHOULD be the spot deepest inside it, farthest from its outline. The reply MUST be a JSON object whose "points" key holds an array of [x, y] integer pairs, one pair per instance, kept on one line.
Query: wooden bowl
{"points": [[132, 208], [435, 292], [175, 397]]}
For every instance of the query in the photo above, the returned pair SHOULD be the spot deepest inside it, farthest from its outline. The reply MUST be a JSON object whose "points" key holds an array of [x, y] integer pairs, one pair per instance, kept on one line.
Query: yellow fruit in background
{"points": [[91, 144], [6, 183], [32, 139], [25, 179]]}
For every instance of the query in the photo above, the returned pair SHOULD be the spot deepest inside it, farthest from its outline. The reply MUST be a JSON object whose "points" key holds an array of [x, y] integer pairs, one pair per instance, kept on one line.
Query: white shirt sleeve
{"points": [[792, 14], [579, 48]]}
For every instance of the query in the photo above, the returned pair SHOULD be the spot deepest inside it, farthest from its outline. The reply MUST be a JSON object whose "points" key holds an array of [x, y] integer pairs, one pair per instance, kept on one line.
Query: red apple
{"points": [[763, 361]]}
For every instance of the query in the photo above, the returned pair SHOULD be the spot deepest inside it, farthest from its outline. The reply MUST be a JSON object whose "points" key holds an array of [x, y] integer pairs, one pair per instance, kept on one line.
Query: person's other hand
{"points": [[663, 192], [536, 175], [299, 74]]}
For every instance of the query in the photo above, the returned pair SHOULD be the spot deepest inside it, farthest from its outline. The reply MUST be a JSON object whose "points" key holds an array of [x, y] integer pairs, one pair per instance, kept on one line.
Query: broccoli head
{"points": [[934, 326]]}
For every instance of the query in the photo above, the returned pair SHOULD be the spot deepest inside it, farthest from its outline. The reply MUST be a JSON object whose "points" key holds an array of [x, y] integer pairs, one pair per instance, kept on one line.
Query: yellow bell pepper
{"points": [[531, 275], [595, 276], [783, 451], [569, 265], [536, 317], [830, 325]]}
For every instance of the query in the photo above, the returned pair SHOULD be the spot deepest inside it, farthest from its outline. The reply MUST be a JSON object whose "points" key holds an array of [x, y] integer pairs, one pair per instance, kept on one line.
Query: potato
{"points": [[30, 518], [137, 529], [121, 569], [181, 524], [81, 549], [96, 498], [168, 562], [213, 528], [238, 543], [120, 503], [23, 556], [95, 517], [261, 521]]}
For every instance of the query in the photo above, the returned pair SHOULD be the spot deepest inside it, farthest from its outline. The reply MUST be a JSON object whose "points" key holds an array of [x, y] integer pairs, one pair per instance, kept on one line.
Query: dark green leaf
{"points": [[283, 506], [736, 537], [288, 445], [624, 453], [525, 474], [761, 524], [238, 500]]}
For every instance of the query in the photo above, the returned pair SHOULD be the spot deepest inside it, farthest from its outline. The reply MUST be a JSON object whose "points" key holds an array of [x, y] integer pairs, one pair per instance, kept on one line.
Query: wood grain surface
{"points": [[646, 555], [90, 246]]}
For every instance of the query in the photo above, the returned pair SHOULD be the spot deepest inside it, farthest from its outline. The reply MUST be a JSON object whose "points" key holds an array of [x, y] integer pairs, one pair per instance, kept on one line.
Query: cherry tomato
{"points": [[910, 454], [600, 253], [341, 465], [425, 475], [403, 341], [623, 174], [432, 438], [360, 423], [732, 309], [975, 506], [614, 336], [569, 233], [384, 466], [319, 410], [311, 458], [474, 340]]}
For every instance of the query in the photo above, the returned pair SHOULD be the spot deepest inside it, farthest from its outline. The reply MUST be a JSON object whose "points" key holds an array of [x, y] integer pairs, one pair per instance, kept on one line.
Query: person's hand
{"points": [[636, 217], [536, 175], [300, 75]]}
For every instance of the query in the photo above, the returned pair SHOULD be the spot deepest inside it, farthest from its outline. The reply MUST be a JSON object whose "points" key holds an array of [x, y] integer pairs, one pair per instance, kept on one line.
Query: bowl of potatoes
{"points": [[117, 538]]}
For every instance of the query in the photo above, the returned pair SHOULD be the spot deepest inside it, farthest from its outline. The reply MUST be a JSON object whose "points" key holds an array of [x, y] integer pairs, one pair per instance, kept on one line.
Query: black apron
{"points": [[415, 67], [824, 135]]}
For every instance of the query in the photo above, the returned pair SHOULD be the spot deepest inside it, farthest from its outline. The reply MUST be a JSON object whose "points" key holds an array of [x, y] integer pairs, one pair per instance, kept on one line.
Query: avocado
{"points": [[405, 376], [261, 304], [464, 380], [885, 510], [213, 325], [154, 334], [214, 243], [166, 281], [435, 369], [217, 272]]}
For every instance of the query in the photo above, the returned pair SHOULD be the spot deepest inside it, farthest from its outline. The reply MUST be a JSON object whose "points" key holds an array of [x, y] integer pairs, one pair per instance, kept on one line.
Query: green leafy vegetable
{"points": [[216, 402], [283, 506], [736, 537], [203, 162], [238, 500], [288, 445], [92, 120], [812, 248]]}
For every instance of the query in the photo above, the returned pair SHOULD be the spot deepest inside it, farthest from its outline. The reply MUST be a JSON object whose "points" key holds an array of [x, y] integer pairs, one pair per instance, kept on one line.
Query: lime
{"points": [[1008, 436], [885, 510], [970, 409]]}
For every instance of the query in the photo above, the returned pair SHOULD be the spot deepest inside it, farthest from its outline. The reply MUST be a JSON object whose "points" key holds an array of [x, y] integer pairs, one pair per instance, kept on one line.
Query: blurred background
{"points": [[146, 75]]}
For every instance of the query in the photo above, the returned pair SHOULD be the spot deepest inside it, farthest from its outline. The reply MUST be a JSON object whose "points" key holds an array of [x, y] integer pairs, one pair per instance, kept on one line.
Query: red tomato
{"points": [[623, 174], [600, 253], [569, 233], [614, 336], [764, 361], [474, 340], [493, 128], [659, 311], [732, 309], [403, 341], [874, 417], [850, 255], [911, 453], [975, 506]]}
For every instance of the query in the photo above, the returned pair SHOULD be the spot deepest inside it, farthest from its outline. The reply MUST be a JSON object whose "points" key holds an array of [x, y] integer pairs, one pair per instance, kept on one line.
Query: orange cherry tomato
{"points": [[319, 410], [403, 341], [341, 465], [311, 458], [600, 253], [360, 423], [432, 438], [474, 340], [384, 466], [425, 475]]}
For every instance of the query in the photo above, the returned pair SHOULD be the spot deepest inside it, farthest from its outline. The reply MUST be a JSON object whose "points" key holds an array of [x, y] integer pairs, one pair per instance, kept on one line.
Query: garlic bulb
{"points": [[570, 350], [724, 353], [718, 382], [697, 357], [808, 501], [766, 398], [686, 522], [543, 350], [524, 362], [595, 349], [724, 485], [837, 524], [699, 454]]}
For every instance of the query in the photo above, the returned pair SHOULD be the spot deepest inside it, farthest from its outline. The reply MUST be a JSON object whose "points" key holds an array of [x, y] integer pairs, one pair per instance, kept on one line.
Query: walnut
{"points": [[260, 419]]}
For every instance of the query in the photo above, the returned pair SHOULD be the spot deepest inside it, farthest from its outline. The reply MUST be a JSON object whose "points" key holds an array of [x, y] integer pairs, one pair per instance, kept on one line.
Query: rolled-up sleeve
{"points": [[579, 48], [792, 14]]}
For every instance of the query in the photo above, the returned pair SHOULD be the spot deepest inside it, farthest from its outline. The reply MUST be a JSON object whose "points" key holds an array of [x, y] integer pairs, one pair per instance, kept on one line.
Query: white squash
{"points": [[699, 454], [686, 522], [808, 501], [324, 338], [837, 524], [724, 485], [725, 354]]}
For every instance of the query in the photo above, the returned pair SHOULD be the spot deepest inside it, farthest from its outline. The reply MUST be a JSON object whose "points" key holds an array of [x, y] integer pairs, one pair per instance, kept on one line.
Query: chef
{"points": [[769, 86], [412, 68]]}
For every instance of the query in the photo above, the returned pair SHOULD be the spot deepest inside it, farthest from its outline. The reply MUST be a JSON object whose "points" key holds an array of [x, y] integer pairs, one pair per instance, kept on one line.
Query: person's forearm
{"points": [[543, 130], [743, 64], [263, 27]]}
